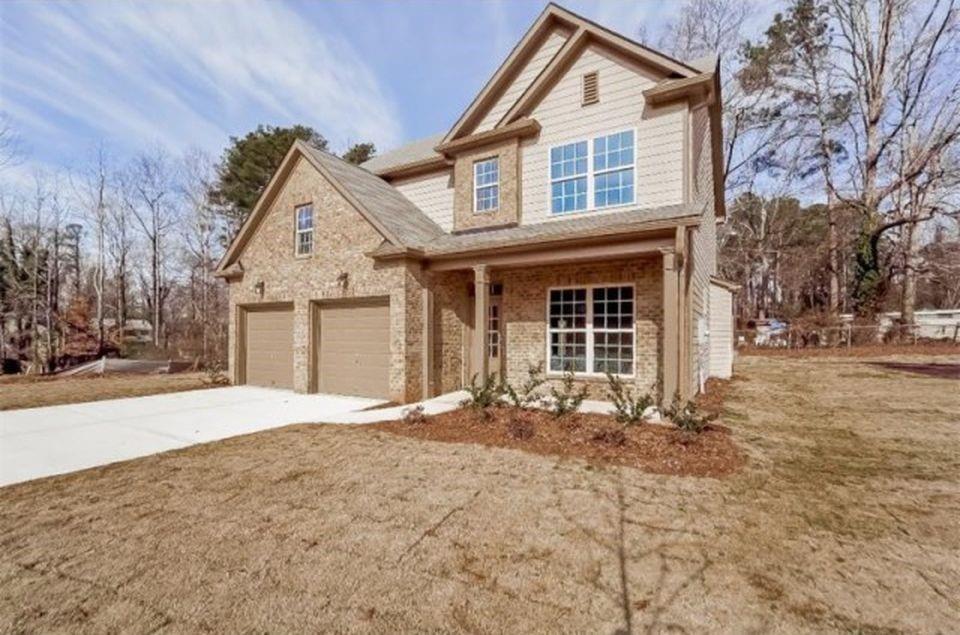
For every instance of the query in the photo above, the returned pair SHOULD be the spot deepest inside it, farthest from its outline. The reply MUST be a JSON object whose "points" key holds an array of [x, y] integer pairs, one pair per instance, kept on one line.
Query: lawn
{"points": [[844, 518], [34, 391]]}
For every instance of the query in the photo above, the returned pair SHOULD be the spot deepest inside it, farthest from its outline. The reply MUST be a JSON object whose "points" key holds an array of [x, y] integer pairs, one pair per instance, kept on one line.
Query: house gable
{"points": [[660, 131], [269, 253], [533, 63], [389, 213]]}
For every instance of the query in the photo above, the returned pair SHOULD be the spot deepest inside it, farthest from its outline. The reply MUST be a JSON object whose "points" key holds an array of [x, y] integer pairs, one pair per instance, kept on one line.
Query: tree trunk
{"points": [[908, 298], [834, 277]]}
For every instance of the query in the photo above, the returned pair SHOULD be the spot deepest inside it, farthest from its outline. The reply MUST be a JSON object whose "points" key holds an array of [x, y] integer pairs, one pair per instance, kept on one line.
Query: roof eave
{"points": [[521, 128], [414, 168], [617, 232]]}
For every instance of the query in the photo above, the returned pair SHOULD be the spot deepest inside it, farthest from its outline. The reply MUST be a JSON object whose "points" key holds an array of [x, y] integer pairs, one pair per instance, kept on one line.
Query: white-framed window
{"points": [[568, 177], [486, 185], [591, 330], [493, 331], [613, 168], [304, 232], [595, 175]]}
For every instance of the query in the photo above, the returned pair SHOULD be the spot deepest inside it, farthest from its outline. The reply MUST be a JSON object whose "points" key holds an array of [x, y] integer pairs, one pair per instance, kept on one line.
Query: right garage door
{"points": [[354, 350]]}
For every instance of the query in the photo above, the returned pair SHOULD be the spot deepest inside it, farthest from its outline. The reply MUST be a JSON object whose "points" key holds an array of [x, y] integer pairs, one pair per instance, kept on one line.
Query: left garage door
{"points": [[269, 348]]}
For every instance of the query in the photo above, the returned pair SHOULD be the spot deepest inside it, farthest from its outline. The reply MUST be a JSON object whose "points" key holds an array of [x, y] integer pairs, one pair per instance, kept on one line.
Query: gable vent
{"points": [[591, 88]]}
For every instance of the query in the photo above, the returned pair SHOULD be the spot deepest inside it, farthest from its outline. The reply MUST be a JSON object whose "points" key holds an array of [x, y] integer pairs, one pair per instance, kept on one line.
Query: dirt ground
{"points": [[19, 391], [843, 520]]}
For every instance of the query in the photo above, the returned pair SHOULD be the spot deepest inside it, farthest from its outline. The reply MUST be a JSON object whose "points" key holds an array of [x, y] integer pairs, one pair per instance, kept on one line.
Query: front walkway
{"points": [[38, 442]]}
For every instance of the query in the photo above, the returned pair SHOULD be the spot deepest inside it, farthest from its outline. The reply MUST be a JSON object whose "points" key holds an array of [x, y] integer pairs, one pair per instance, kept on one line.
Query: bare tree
{"points": [[151, 183], [753, 128], [897, 59], [120, 245], [94, 192], [201, 241]]}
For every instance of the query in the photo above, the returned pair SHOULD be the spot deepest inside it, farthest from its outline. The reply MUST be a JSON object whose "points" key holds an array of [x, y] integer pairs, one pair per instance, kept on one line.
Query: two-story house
{"points": [[568, 218]]}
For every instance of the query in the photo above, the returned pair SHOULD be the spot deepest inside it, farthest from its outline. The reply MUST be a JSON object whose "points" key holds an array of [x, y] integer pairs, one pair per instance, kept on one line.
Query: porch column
{"points": [[671, 324], [427, 341], [478, 352]]}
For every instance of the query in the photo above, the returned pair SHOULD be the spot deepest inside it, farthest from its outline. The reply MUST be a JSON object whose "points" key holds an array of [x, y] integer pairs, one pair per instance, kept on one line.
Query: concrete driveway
{"points": [[38, 442]]}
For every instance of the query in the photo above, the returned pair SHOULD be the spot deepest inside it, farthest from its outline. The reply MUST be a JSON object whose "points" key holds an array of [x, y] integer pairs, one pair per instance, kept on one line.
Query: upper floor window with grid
{"points": [[486, 185], [613, 166], [568, 177], [304, 233]]}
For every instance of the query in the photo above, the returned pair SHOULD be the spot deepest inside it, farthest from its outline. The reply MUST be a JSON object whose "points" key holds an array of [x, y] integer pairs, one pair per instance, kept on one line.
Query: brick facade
{"points": [[464, 218], [524, 306], [342, 237], [525, 311]]}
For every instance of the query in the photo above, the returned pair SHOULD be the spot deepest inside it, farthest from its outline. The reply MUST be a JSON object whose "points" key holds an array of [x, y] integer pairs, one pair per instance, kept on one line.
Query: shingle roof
{"points": [[409, 153], [388, 206], [591, 225]]}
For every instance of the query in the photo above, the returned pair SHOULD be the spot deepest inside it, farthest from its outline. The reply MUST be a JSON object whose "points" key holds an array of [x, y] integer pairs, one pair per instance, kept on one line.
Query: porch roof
{"points": [[570, 229]]}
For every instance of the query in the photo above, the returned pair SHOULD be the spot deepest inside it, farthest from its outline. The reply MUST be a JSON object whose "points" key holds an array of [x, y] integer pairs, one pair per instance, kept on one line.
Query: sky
{"points": [[182, 74]]}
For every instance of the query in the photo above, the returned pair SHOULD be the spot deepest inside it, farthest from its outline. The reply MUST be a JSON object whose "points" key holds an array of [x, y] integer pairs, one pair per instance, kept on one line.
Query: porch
{"points": [[592, 308]]}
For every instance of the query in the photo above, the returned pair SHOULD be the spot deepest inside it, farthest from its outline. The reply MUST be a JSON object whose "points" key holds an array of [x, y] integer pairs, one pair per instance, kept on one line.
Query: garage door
{"points": [[354, 351], [269, 348]]}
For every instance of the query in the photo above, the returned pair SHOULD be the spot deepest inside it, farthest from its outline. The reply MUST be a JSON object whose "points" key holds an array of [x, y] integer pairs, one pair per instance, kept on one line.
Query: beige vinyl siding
{"points": [[433, 194], [703, 245], [721, 332], [553, 42], [659, 132]]}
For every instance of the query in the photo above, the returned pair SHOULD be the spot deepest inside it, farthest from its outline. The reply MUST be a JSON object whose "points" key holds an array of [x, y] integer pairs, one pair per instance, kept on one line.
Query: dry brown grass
{"points": [[33, 391], [843, 520]]}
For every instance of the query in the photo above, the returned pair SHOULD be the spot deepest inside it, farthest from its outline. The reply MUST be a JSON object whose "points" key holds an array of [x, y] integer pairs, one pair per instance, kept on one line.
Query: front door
{"points": [[495, 338]]}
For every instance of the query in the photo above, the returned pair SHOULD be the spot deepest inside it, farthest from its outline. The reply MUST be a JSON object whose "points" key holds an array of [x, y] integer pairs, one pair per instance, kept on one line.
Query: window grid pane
{"points": [[486, 178], [304, 230], [598, 341], [568, 174], [304, 242], [613, 163]]}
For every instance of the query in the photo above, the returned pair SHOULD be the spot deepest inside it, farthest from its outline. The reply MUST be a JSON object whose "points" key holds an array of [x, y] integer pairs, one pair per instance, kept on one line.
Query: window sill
{"points": [[591, 210], [594, 378], [485, 212]]}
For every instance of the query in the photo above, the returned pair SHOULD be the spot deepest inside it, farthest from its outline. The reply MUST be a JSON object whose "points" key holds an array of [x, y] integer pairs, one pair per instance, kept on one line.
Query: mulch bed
{"points": [[595, 438], [874, 350]]}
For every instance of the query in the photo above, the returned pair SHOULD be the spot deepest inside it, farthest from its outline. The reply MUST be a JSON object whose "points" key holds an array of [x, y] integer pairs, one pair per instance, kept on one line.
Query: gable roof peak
{"points": [[399, 221], [581, 29]]}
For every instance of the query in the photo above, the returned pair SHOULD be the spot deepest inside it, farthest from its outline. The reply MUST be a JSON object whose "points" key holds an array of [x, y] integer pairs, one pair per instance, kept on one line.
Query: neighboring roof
{"points": [[592, 225], [413, 152], [398, 220]]}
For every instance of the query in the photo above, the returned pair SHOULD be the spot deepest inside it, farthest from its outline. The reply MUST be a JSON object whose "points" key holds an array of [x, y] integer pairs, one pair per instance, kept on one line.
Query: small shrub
{"points": [[484, 395], [527, 395], [629, 407], [686, 416], [414, 415], [214, 375], [567, 398], [610, 436], [520, 429]]}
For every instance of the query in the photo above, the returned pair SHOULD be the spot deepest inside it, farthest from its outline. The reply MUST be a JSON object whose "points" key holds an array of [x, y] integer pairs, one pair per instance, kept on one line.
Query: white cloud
{"points": [[186, 73]]}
